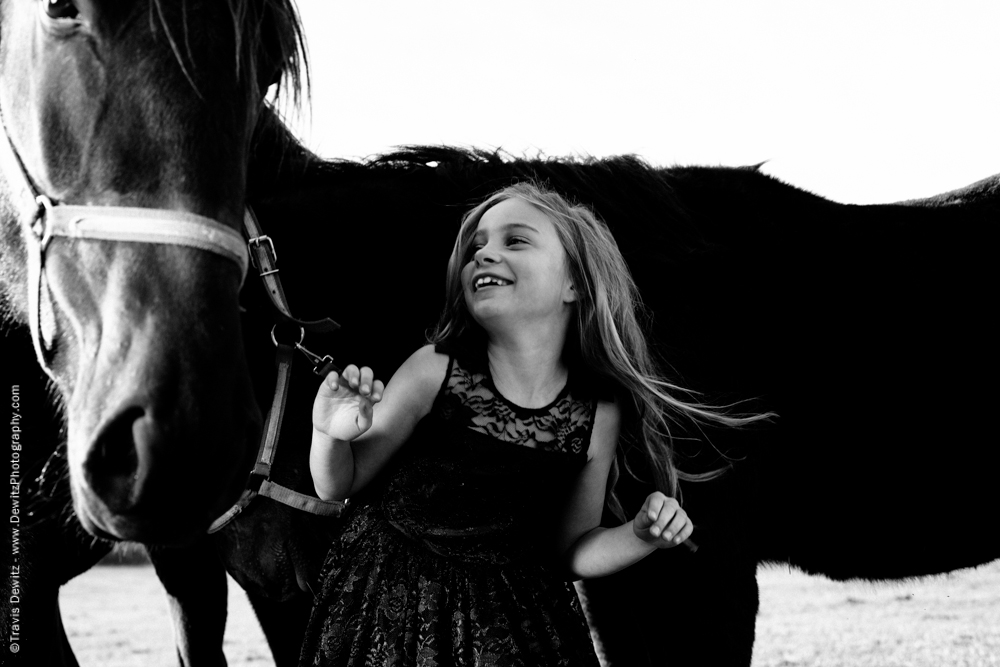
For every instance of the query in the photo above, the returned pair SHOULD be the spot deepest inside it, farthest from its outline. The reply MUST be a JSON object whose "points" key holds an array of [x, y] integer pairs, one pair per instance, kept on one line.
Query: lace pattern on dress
{"points": [[470, 397]]}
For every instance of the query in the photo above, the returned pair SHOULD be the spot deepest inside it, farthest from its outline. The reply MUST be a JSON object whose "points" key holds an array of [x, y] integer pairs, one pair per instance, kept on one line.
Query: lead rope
{"points": [[264, 258]]}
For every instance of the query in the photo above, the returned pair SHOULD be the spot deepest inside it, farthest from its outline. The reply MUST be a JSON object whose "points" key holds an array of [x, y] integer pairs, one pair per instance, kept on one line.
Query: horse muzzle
{"points": [[162, 423]]}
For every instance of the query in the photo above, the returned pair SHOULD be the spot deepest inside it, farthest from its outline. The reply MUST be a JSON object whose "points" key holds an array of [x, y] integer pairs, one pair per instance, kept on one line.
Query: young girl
{"points": [[497, 442]]}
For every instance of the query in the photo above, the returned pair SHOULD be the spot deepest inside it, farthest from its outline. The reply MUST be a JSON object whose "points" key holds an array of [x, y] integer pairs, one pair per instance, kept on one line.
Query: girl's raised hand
{"points": [[343, 406], [662, 522]]}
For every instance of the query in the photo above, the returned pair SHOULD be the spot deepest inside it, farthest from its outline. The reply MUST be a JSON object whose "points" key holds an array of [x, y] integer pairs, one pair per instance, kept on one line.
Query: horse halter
{"points": [[42, 219]]}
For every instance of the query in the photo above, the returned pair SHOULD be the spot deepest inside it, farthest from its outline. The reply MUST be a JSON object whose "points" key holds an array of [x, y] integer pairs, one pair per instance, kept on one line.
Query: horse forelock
{"points": [[272, 26]]}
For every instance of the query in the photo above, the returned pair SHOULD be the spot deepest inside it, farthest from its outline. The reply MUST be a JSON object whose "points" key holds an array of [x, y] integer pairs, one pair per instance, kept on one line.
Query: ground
{"points": [[949, 620], [116, 616]]}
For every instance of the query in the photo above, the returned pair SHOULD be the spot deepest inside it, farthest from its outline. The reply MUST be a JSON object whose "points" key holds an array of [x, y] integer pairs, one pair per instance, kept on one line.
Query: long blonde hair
{"points": [[609, 340]]}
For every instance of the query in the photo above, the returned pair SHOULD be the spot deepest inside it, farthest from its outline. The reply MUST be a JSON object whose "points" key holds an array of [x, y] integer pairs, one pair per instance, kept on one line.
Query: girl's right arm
{"points": [[357, 427]]}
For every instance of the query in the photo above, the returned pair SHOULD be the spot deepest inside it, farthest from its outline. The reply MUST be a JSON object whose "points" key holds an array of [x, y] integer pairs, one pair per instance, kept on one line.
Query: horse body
{"points": [[839, 318], [700, 232]]}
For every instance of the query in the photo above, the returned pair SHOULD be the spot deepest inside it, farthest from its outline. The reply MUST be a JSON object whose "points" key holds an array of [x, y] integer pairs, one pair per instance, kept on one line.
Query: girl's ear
{"points": [[569, 293]]}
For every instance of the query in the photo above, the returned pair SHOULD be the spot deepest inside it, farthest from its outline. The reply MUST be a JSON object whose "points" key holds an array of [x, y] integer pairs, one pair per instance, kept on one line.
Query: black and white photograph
{"points": [[454, 334]]}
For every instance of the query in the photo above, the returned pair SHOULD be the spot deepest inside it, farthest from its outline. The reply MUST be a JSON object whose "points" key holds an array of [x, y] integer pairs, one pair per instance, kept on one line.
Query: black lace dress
{"points": [[452, 564]]}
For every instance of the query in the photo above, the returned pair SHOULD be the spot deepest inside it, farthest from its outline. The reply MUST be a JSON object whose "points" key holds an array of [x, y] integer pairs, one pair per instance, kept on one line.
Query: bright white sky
{"points": [[857, 100]]}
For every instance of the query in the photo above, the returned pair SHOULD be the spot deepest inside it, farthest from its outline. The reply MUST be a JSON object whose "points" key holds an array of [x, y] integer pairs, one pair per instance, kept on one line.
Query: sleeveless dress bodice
{"points": [[481, 478]]}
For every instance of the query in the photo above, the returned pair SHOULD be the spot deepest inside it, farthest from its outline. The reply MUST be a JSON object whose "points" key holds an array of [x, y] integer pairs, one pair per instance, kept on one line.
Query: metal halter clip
{"points": [[321, 365]]}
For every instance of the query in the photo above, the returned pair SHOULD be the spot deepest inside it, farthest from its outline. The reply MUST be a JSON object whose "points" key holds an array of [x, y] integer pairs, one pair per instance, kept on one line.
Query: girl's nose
{"points": [[485, 255]]}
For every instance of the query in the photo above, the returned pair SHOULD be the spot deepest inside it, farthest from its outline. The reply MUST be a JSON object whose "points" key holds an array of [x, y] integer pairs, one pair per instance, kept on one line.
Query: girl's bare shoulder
{"points": [[422, 374], [427, 363]]}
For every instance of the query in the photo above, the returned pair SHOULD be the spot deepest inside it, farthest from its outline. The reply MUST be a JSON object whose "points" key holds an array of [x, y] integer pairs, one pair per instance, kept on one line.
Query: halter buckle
{"points": [[257, 477], [257, 241]]}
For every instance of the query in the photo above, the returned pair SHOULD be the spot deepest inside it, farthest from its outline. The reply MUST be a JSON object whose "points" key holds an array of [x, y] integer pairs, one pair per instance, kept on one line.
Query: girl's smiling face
{"points": [[517, 267]]}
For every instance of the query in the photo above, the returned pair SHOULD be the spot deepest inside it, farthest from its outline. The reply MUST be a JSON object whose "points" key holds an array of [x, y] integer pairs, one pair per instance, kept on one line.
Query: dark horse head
{"points": [[146, 104]]}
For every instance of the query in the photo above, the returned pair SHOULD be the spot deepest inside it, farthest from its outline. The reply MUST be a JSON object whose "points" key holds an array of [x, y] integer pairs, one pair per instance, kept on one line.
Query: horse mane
{"points": [[981, 194], [272, 25], [619, 187]]}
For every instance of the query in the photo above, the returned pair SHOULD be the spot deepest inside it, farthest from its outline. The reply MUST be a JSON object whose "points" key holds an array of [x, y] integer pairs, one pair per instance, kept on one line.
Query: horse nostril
{"points": [[112, 466]]}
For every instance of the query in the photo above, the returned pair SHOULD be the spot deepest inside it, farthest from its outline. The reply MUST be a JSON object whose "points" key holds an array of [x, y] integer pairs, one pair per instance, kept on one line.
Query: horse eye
{"points": [[61, 9]]}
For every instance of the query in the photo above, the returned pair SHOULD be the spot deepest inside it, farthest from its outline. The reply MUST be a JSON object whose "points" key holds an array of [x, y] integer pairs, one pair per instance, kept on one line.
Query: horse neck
{"points": [[278, 160]]}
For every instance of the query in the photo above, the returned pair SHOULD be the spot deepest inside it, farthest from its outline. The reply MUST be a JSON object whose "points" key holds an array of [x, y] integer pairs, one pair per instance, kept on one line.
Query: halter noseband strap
{"points": [[44, 218], [144, 225]]}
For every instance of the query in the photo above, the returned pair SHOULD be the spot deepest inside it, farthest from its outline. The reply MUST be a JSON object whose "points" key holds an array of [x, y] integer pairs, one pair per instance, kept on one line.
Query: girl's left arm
{"points": [[592, 551]]}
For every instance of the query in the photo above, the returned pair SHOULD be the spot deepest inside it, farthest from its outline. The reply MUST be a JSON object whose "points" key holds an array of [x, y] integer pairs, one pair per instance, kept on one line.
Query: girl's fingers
{"points": [[673, 527], [364, 415], [330, 384], [677, 537], [654, 506], [666, 515], [351, 374], [648, 512], [662, 522], [362, 380], [365, 380]]}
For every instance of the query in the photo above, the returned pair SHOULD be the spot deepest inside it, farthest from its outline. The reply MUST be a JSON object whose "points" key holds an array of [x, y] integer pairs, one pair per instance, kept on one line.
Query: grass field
{"points": [[116, 616], [945, 621]]}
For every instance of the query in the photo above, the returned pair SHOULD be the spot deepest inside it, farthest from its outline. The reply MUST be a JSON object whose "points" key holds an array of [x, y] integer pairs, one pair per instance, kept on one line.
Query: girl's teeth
{"points": [[482, 282]]}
